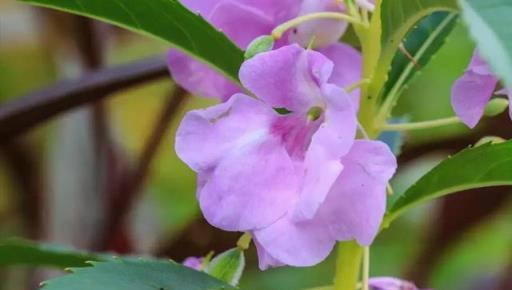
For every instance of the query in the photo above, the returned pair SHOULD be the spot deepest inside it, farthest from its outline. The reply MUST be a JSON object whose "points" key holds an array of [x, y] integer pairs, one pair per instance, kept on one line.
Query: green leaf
{"points": [[22, 252], [398, 19], [490, 24], [421, 43], [164, 19], [132, 274], [483, 166], [228, 266]]}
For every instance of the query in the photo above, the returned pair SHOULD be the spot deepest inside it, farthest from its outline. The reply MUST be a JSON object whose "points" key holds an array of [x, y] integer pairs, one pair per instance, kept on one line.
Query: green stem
{"points": [[244, 241], [348, 266], [421, 125], [278, 32], [366, 268]]}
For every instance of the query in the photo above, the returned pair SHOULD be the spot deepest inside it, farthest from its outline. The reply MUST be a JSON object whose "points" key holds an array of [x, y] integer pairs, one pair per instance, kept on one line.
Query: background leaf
{"points": [[489, 22], [135, 275], [398, 18], [421, 43], [164, 19], [22, 252], [483, 166]]}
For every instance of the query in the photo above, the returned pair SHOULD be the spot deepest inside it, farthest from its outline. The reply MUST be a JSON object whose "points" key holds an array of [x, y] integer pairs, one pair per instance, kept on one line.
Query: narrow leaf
{"points": [[483, 166], [168, 20]]}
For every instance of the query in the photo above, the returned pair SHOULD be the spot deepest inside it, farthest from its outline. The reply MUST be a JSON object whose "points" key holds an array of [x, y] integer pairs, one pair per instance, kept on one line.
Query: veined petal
{"points": [[265, 260], [198, 78], [347, 67], [355, 206], [470, 94], [296, 244], [289, 77], [329, 144], [241, 23], [205, 136], [251, 187], [322, 32]]}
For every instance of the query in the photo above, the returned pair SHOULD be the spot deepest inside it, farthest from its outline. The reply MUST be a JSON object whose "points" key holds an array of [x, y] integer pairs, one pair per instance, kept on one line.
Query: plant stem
{"points": [[278, 32], [244, 241], [348, 264], [366, 268], [421, 125]]}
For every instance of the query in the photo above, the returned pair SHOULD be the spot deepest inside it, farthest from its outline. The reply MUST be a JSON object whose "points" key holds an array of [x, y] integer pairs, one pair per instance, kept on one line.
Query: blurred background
{"points": [[104, 176]]}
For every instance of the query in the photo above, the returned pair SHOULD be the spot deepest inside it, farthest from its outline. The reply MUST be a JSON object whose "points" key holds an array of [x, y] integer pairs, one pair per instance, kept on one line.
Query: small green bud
{"points": [[258, 45], [489, 139], [315, 113], [495, 107]]}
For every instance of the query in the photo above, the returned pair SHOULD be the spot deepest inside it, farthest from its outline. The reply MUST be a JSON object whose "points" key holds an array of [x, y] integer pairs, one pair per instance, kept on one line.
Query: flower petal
{"points": [[355, 206], [199, 79], [241, 23], [347, 67], [265, 260], [289, 77], [390, 283], [321, 32], [470, 95], [202, 7], [329, 144], [205, 136], [296, 244], [252, 187]]}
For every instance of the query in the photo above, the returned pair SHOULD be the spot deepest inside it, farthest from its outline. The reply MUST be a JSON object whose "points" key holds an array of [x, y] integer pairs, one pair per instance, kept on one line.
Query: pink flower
{"points": [[243, 21], [389, 283], [298, 181], [473, 90], [193, 262]]}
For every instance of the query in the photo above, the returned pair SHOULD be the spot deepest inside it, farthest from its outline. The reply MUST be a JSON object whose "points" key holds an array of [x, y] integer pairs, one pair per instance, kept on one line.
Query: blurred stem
{"points": [[245, 241], [348, 264], [366, 268], [421, 125], [278, 32]]}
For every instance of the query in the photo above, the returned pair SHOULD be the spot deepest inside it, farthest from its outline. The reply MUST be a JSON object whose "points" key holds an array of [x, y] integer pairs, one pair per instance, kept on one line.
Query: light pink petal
{"points": [[241, 23], [347, 67], [355, 206], [289, 77], [198, 78], [321, 32], [390, 283], [265, 260], [470, 95], [366, 4], [205, 136], [479, 66], [329, 144], [193, 262], [252, 187], [296, 244], [202, 7], [280, 11]]}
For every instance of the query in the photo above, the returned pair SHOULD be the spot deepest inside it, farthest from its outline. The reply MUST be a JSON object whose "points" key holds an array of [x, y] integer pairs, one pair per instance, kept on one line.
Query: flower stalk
{"points": [[348, 264], [421, 125]]}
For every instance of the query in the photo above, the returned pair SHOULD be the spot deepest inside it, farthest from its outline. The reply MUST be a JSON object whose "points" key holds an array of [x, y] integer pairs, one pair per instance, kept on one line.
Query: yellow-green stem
{"points": [[348, 265]]}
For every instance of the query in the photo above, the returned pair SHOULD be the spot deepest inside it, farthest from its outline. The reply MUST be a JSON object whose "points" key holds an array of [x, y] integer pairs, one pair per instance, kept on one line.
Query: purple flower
{"points": [[193, 262], [389, 283], [473, 90], [243, 21], [298, 181]]}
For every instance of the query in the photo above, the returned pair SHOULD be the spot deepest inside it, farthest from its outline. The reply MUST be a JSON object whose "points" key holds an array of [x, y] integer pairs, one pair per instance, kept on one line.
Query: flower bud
{"points": [[495, 107], [258, 45], [489, 139]]}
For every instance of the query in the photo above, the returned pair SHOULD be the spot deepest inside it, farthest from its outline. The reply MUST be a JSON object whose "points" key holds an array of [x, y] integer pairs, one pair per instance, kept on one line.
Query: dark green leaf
{"points": [[135, 275], [164, 19], [490, 23], [21, 252], [398, 19], [421, 43], [228, 266], [483, 166]]}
